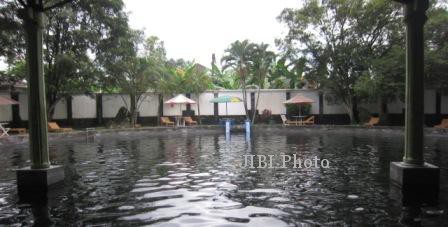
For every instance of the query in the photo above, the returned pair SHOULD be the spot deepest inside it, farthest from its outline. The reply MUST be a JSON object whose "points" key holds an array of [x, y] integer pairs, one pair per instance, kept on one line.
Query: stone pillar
{"points": [[414, 117], [37, 178], [416, 179], [37, 113]]}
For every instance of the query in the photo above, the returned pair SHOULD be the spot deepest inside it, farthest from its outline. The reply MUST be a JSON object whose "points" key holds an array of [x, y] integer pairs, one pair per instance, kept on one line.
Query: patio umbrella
{"points": [[226, 99], [180, 99], [7, 101], [299, 99]]}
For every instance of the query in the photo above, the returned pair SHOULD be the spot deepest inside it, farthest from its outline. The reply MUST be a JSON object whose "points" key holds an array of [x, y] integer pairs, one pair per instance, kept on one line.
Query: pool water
{"points": [[197, 178]]}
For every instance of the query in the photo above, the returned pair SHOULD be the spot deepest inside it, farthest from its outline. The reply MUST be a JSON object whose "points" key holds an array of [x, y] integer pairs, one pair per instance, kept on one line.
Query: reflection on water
{"points": [[197, 180]]}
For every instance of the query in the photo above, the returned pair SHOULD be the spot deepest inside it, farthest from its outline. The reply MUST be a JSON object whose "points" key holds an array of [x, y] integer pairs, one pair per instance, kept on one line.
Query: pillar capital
{"points": [[414, 11]]}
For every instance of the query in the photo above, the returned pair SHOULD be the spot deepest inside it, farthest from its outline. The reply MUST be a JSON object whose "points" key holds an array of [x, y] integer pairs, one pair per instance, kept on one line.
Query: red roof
{"points": [[298, 99], [7, 101]]}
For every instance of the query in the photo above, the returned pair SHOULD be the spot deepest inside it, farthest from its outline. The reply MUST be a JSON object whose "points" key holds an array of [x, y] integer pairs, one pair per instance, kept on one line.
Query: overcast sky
{"points": [[194, 29]]}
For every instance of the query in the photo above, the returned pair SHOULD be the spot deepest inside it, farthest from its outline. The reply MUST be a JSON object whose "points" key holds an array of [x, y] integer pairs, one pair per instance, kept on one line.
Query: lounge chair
{"points": [[288, 122], [443, 124], [3, 131], [166, 121], [54, 127], [373, 121], [308, 121], [18, 130], [189, 121]]}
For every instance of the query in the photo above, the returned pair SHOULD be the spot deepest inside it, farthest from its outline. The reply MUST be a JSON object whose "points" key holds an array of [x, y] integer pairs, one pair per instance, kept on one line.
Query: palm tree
{"points": [[238, 57], [261, 64], [197, 81]]}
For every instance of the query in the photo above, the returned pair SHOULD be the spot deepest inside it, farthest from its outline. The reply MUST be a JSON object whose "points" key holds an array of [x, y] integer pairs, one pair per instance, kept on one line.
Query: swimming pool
{"points": [[198, 178]]}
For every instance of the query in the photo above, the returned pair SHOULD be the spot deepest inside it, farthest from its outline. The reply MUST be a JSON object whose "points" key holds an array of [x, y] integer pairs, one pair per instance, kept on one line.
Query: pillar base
{"points": [[414, 184], [38, 181]]}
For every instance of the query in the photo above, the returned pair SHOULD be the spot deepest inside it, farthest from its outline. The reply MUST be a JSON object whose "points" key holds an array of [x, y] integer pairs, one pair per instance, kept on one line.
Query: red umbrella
{"points": [[7, 101], [299, 99], [180, 99]]}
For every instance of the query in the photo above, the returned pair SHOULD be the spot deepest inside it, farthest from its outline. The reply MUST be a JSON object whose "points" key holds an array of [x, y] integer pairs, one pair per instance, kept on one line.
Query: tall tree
{"points": [[74, 34], [132, 73], [12, 43], [238, 56], [262, 60], [385, 80], [338, 37], [436, 46], [197, 81], [191, 79]]}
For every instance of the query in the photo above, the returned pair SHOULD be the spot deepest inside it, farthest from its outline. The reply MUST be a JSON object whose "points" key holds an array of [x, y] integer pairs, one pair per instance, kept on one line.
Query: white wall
{"points": [[60, 110], [112, 103], [5, 111], [236, 108], [444, 104], [149, 105], [330, 107], [23, 109], [430, 101], [83, 106], [272, 100], [207, 108]]}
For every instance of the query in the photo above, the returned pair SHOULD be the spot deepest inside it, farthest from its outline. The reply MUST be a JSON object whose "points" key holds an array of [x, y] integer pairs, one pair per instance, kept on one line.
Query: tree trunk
{"points": [[355, 112], [160, 111], [199, 109], [384, 112], [256, 105], [349, 108], [133, 110], [245, 102], [50, 109]]}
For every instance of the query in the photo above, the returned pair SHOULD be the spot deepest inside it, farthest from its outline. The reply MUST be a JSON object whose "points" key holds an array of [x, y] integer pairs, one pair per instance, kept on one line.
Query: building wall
{"points": [[149, 105], [236, 108], [60, 110], [430, 101], [273, 101], [331, 106], [5, 111], [444, 104], [83, 107], [204, 104], [311, 94], [112, 103], [23, 108]]}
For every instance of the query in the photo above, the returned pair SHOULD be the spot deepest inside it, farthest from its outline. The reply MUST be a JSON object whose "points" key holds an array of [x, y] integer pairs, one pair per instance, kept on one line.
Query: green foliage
{"points": [[14, 74], [73, 35], [193, 79], [287, 76], [129, 72], [338, 39], [227, 79], [12, 42], [436, 49], [237, 57], [261, 63]]}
